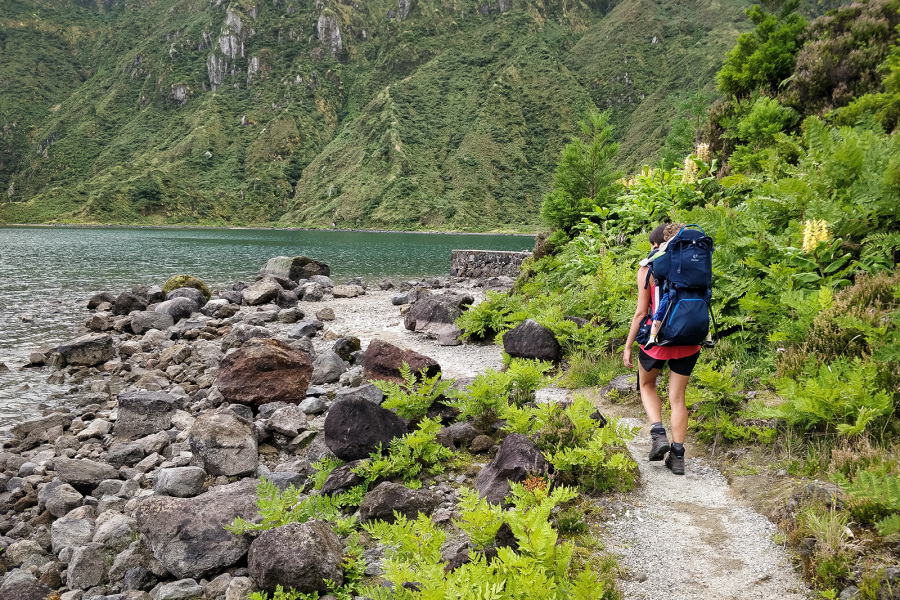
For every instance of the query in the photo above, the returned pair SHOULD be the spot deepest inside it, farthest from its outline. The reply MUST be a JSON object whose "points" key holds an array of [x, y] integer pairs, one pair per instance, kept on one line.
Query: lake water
{"points": [[50, 272]]}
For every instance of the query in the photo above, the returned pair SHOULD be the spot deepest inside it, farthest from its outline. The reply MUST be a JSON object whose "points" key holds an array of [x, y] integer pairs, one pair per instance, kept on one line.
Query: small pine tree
{"points": [[585, 175]]}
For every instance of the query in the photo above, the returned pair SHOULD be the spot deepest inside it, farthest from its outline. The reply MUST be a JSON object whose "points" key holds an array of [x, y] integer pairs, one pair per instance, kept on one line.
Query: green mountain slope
{"points": [[394, 114]]}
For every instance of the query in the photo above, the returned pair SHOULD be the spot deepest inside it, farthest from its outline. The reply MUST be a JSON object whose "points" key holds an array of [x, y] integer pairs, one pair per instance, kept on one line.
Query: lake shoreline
{"points": [[258, 228], [156, 424]]}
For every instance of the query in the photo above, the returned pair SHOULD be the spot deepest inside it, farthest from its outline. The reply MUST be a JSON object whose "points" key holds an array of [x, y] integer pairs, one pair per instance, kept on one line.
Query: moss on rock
{"points": [[180, 281]]}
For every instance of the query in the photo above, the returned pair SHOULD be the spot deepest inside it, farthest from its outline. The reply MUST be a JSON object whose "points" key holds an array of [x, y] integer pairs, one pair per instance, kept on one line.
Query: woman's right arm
{"points": [[640, 313]]}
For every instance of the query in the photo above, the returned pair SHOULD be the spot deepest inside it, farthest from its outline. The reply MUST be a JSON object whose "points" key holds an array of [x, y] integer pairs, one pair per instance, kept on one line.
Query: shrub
{"points": [[483, 400], [496, 314]]}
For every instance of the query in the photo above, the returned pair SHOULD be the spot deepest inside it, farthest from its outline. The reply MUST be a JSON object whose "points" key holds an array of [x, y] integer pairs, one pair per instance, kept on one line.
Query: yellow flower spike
{"points": [[690, 170], [702, 152], [814, 231]]}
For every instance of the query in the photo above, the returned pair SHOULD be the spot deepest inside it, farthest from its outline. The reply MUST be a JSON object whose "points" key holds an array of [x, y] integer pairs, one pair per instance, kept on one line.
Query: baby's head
{"points": [[664, 233]]}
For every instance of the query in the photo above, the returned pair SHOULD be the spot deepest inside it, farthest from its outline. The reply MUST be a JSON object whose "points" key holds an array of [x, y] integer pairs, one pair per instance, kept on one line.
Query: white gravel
{"points": [[372, 316], [688, 538]]}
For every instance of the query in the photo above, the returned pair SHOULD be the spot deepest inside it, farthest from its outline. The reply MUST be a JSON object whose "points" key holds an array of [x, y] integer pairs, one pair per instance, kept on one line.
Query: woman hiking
{"points": [[651, 360]]}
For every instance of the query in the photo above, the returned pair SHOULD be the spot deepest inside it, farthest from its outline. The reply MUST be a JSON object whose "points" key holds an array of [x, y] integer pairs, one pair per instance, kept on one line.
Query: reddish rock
{"points": [[265, 370], [383, 361]]}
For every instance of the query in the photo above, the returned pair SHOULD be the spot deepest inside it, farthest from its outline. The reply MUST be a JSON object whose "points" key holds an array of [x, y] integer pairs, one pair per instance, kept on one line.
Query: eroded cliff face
{"points": [[387, 113]]}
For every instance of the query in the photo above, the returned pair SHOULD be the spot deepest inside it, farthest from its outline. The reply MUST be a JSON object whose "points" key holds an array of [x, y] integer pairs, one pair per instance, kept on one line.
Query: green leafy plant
{"points": [[485, 399], [876, 499], [496, 314], [409, 456], [839, 397], [412, 398], [277, 508], [580, 451], [541, 567], [322, 469]]}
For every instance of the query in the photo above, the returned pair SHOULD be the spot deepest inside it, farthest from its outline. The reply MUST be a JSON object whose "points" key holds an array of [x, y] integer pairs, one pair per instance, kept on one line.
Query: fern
{"points": [[412, 398], [889, 525], [408, 456]]}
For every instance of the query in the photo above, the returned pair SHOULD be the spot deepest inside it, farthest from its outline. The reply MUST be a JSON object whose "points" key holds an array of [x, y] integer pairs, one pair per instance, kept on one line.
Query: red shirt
{"points": [[666, 352]]}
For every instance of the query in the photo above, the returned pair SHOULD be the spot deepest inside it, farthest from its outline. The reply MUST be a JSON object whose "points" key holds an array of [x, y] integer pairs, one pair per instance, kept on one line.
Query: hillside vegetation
{"points": [[406, 114], [796, 177]]}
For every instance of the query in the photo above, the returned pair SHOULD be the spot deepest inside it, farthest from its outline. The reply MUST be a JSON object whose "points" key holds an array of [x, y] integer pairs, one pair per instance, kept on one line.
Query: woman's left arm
{"points": [[640, 313]]}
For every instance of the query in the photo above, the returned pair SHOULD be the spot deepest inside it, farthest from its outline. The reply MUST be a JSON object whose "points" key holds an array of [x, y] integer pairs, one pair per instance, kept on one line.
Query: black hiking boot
{"points": [[660, 446], [675, 463]]}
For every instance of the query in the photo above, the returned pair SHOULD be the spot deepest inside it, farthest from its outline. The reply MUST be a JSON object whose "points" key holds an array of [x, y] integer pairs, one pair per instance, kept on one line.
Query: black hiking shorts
{"points": [[681, 366]]}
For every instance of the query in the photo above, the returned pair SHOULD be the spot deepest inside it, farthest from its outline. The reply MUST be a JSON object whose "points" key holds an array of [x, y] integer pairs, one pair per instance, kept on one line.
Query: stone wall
{"points": [[486, 263]]}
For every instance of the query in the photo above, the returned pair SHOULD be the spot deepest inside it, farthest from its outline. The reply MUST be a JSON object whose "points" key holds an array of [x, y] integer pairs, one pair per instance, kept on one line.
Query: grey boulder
{"points": [[188, 536], [178, 308], [144, 413], [531, 340], [145, 320], [180, 482], [88, 350], [189, 293], [224, 443], [389, 497], [59, 498], [298, 556], [327, 368], [83, 474], [261, 292], [518, 457], [354, 428]]}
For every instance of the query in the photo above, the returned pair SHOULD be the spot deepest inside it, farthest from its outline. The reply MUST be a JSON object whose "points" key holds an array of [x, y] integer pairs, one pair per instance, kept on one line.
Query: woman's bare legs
{"points": [[649, 397], [653, 405], [677, 386]]}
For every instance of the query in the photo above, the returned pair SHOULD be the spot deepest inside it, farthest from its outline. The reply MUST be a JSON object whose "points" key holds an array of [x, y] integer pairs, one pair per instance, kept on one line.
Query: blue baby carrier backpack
{"points": [[684, 272]]}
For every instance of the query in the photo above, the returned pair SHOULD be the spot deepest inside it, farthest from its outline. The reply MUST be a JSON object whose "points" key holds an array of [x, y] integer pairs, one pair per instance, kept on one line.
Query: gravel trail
{"points": [[688, 538], [678, 537]]}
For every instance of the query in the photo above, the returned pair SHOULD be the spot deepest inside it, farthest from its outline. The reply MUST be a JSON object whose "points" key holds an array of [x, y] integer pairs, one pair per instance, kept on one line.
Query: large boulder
{"points": [[178, 308], [366, 391], [181, 482], [327, 368], [432, 314], [298, 556], [518, 457], [188, 536], [190, 293], [88, 350], [101, 298], [74, 529], [224, 443], [347, 291], [388, 497], [242, 332], [354, 428], [261, 292], [383, 361], [41, 424], [145, 320], [265, 370], [22, 585], [182, 281], [143, 413], [532, 340], [128, 302], [87, 567], [59, 498], [294, 268], [83, 474]]}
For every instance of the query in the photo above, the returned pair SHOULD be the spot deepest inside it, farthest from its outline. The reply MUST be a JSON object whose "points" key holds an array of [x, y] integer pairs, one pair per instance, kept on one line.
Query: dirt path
{"points": [[688, 538], [678, 538]]}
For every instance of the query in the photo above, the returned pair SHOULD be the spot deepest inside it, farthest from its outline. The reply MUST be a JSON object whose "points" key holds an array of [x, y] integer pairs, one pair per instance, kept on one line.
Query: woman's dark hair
{"points": [[664, 232]]}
